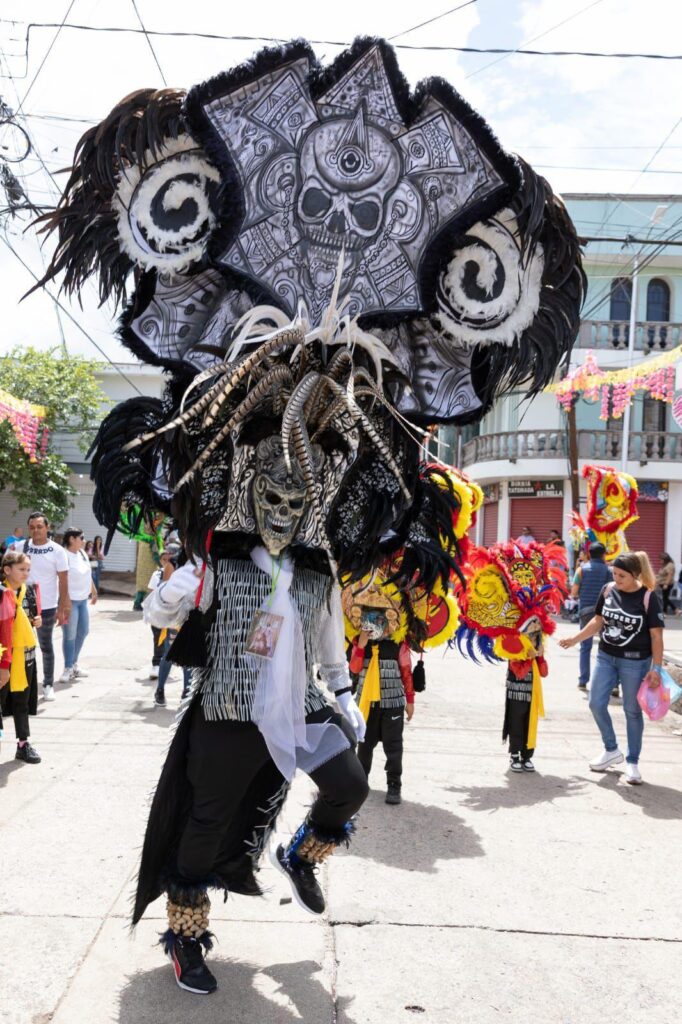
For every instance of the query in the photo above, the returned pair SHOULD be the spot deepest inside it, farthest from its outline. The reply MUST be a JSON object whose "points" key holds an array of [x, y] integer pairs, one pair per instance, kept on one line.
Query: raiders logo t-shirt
{"points": [[627, 621]]}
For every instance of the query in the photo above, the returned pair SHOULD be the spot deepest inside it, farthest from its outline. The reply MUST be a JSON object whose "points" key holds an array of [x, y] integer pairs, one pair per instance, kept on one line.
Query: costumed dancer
{"points": [[383, 624], [381, 668], [611, 508], [19, 617], [325, 265], [511, 591]]}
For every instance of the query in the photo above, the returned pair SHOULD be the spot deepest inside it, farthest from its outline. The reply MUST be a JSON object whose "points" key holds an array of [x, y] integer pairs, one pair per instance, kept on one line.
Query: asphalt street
{"points": [[485, 897]]}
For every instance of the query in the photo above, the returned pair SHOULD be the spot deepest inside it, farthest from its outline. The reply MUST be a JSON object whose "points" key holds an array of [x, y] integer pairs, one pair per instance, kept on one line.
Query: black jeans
{"points": [[518, 716], [157, 653], [385, 725], [19, 709], [224, 759], [667, 603], [46, 646]]}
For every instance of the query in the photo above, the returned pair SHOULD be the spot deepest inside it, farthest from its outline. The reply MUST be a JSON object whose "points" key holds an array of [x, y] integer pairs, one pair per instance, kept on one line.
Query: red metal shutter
{"points": [[541, 514], [490, 523], [648, 533]]}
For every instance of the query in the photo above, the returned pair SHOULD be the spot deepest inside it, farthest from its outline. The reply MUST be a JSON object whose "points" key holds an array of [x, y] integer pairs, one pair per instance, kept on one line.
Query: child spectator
{"points": [[19, 614]]}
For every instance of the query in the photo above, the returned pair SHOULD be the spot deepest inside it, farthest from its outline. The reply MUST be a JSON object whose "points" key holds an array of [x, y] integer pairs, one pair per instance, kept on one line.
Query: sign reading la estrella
{"points": [[536, 488]]}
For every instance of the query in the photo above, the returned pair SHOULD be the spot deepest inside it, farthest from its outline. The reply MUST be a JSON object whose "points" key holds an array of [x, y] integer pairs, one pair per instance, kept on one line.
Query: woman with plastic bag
{"points": [[629, 621]]}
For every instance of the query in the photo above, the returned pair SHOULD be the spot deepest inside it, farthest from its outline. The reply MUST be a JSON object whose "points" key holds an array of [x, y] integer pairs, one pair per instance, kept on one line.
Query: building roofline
{"points": [[627, 196]]}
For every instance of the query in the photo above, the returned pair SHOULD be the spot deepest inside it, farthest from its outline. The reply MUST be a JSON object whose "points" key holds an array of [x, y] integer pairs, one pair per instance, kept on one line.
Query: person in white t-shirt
{"points": [[49, 568], [81, 590]]}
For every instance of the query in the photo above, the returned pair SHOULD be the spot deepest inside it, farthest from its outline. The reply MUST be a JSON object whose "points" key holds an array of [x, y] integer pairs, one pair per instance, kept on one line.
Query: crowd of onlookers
{"points": [[47, 580]]}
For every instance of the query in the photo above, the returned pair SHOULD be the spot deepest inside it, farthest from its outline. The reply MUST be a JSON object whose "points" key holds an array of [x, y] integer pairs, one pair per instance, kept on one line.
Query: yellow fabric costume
{"points": [[23, 639]]}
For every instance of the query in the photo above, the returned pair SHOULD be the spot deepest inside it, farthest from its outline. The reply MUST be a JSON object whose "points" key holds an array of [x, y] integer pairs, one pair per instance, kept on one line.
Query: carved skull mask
{"points": [[279, 496]]}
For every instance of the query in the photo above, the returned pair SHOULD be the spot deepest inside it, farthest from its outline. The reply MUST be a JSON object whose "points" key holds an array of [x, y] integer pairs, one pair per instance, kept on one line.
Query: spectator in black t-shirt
{"points": [[629, 619]]}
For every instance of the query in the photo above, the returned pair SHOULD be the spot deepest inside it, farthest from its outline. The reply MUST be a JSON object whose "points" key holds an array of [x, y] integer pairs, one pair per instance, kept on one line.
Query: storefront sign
{"points": [[536, 488]]}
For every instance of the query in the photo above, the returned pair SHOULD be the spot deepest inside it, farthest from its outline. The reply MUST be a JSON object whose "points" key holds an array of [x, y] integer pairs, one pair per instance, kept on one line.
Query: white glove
{"points": [[352, 713]]}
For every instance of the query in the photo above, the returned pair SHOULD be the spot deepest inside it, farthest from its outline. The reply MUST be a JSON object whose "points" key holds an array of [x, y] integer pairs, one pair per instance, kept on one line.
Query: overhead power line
{"points": [[42, 63], [66, 313], [503, 51], [149, 42], [430, 21]]}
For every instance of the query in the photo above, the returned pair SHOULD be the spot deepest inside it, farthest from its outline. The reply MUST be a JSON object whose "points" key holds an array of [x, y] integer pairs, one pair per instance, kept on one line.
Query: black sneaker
{"points": [[582, 686], [160, 699], [528, 765], [515, 763], [393, 794], [304, 884], [28, 754], [191, 973]]}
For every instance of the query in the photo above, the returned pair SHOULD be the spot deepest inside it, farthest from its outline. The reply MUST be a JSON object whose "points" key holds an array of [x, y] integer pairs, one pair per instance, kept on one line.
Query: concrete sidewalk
{"points": [[484, 898]]}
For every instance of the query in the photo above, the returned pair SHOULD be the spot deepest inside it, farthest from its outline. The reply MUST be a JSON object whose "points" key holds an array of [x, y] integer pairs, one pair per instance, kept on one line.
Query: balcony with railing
{"points": [[614, 335], [598, 445]]}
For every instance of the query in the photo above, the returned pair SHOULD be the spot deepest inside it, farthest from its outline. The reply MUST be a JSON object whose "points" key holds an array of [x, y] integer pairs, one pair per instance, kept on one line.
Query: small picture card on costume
{"points": [[264, 634]]}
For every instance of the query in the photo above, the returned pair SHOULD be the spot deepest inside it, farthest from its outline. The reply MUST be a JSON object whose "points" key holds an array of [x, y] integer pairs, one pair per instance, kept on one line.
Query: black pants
{"points": [[157, 653], [667, 603], [223, 761], [46, 646], [518, 716], [385, 725], [16, 704]]}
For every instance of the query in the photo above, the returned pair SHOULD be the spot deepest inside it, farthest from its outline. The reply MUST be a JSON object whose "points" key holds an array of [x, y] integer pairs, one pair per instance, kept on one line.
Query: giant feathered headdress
{"points": [[320, 254], [611, 508], [511, 589]]}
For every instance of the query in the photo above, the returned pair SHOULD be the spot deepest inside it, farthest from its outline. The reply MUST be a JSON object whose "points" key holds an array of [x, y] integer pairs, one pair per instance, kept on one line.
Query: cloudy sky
{"points": [[590, 125]]}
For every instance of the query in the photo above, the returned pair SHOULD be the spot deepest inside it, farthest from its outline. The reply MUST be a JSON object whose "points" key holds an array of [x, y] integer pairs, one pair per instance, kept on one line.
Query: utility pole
{"points": [[631, 351], [573, 456]]}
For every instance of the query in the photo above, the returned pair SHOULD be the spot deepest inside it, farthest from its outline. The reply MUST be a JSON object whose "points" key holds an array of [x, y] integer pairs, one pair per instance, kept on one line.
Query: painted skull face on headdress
{"points": [[278, 495]]}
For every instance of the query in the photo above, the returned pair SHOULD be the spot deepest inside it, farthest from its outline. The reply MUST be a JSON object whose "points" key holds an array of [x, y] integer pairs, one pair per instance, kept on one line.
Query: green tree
{"points": [[73, 400]]}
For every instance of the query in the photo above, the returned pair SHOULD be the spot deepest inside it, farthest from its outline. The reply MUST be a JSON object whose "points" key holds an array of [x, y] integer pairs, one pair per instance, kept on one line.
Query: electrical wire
{"points": [[42, 63], [430, 21], [540, 35], [149, 43], [504, 52], [65, 311]]}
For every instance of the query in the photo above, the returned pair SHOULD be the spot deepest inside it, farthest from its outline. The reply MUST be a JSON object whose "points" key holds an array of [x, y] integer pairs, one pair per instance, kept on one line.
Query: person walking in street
{"points": [[98, 558], [588, 582], [19, 614], [50, 570], [161, 575], [81, 590], [629, 619], [665, 581]]}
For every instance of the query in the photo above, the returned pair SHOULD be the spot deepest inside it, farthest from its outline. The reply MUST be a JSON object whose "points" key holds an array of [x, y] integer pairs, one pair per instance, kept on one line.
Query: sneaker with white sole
{"points": [[304, 885], [78, 673], [528, 765], [633, 775], [66, 676], [191, 973], [48, 693], [606, 759], [515, 763], [154, 672]]}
